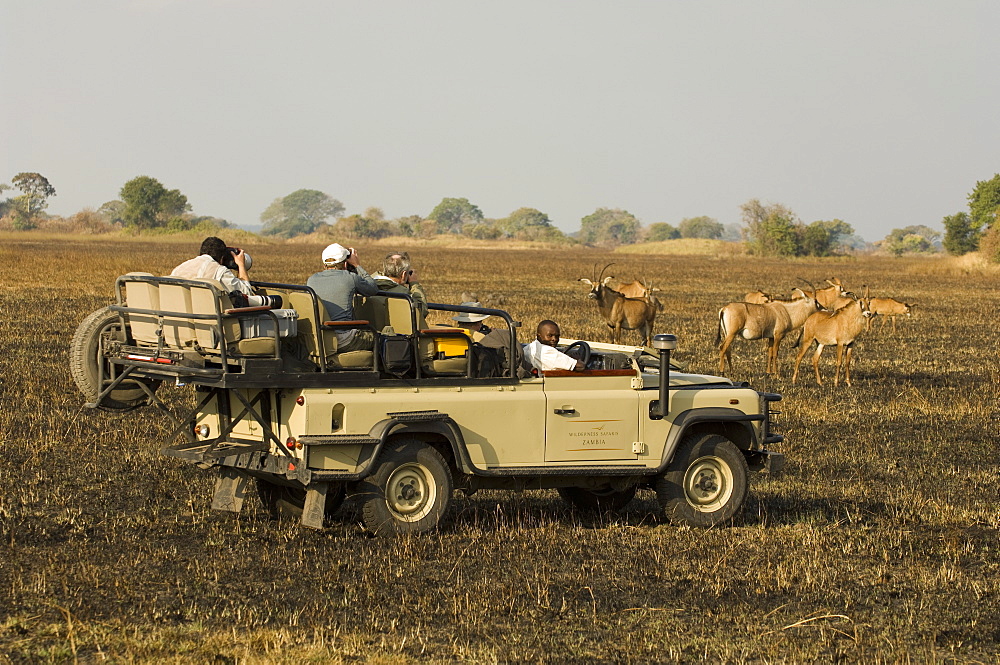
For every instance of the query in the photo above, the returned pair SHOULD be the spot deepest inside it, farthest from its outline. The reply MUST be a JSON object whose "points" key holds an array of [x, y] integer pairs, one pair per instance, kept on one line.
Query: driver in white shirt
{"points": [[543, 354]]}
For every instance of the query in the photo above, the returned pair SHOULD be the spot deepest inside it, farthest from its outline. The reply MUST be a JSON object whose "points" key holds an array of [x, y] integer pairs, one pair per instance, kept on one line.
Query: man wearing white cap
{"points": [[336, 286]]}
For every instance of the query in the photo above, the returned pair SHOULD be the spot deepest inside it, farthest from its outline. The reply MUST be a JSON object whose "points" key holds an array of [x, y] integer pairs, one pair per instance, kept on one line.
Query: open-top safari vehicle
{"points": [[399, 428]]}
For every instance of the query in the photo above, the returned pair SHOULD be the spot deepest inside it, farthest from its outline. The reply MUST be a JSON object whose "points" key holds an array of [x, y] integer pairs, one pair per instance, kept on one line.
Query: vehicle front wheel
{"points": [[601, 500], [706, 483], [284, 501], [408, 492]]}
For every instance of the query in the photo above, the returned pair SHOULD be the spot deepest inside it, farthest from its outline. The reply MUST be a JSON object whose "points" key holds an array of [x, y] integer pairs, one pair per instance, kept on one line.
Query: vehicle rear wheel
{"points": [[706, 483], [601, 500], [87, 363], [283, 501], [408, 492]]}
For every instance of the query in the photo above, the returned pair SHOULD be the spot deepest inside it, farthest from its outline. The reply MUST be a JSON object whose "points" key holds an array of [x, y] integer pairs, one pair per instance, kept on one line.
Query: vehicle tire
{"points": [[85, 361], [706, 483], [603, 500], [409, 490], [283, 501]]}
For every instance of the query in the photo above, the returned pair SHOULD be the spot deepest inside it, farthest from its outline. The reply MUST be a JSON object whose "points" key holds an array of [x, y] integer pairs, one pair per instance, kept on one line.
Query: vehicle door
{"points": [[590, 416]]}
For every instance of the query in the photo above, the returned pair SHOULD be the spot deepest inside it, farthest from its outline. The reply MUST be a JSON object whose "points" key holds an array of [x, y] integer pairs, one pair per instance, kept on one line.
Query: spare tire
{"points": [[86, 360]]}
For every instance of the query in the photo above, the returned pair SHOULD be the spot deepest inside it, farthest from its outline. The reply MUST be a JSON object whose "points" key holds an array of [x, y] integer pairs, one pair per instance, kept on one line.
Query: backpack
{"points": [[397, 356], [487, 362], [499, 340]]}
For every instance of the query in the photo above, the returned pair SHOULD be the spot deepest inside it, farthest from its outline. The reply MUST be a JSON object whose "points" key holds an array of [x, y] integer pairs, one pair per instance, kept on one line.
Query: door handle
{"points": [[564, 412]]}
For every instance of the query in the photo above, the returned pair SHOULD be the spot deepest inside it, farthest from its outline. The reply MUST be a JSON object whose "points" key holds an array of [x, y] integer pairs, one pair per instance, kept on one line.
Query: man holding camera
{"points": [[336, 285], [218, 261], [398, 276]]}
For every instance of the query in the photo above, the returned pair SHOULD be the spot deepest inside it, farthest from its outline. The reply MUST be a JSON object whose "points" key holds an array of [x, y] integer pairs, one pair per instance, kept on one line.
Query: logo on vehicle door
{"points": [[595, 436]]}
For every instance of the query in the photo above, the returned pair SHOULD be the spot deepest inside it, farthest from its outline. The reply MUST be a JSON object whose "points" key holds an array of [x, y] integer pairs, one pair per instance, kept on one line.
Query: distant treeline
{"points": [[146, 205]]}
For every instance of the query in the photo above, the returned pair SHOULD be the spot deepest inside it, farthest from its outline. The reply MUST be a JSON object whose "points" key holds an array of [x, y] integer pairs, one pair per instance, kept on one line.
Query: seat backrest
{"points": [[143, 295], [382, 311], [212, 299], [177, 330], [312, 314]]}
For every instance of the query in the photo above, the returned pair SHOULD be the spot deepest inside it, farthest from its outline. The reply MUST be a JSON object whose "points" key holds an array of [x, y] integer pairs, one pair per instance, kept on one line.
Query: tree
{"points": [[912, 239], [610, 227], [770, 229], [522, 221], [984, 203], [112, 212], [148, 204], [452, 214], [700, 227], [659, 231], [823, 238], [4, 203], [960, 236], [36, 191], [408, 225], [298, 213]]}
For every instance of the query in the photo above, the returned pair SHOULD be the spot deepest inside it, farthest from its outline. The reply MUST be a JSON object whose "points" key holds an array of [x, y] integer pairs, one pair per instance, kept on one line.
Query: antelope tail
{"points": [[718, 329]]}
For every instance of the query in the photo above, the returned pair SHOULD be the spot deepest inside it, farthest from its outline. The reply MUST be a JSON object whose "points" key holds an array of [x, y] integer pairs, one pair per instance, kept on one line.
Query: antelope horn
{"points": [[599, 277], [810, 284]]}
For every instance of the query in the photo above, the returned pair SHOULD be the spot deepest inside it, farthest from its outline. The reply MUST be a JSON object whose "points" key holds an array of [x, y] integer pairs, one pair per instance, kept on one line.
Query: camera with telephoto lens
{"points": [[274, 302], [230, 262], [240, 299]]}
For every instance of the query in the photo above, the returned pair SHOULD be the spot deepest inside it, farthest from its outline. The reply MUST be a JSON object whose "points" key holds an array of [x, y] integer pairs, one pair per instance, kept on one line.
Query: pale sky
{"points": [[883, 114]]}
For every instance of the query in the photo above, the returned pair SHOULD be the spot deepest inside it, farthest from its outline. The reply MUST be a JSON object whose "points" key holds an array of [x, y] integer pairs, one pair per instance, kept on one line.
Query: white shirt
{"points": [[544, 357], [207, 267]]}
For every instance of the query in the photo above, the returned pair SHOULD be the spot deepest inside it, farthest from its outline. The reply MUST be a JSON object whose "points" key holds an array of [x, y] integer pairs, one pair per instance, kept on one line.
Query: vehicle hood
{"points": [[684, 379]]}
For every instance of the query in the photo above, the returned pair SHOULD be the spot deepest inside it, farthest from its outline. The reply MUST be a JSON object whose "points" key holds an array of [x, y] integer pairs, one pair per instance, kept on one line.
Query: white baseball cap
{"points": [[335, 253]]}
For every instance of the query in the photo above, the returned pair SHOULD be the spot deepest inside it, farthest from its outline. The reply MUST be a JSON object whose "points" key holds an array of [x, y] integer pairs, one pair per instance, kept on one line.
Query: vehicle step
{"points": [[214, 450], [414, 416]]}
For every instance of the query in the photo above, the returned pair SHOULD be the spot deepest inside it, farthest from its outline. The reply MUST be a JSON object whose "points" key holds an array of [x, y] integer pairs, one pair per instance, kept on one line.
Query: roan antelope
{"points": [[643, 289], [758, 297], [771, 321], [889, 308], [621, 313], [831, 297], [828, 328]]}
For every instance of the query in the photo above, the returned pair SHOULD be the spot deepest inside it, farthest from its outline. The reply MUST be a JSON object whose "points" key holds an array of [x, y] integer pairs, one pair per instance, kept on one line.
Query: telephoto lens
{"points": [[274, 302]]}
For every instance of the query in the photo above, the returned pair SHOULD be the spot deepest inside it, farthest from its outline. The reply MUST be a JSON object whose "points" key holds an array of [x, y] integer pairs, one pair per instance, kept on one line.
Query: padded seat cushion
{"points": [[254, 346], [447, 366], [351, 360]]}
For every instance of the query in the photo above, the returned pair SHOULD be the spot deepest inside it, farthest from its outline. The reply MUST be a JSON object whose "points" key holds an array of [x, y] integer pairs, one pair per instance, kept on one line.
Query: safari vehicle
{"points": [[399, 428]]}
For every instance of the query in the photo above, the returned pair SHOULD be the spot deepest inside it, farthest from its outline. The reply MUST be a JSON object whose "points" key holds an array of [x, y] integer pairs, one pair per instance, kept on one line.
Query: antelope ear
{"points": [[607, 279], [586, 281], [655, 288]]}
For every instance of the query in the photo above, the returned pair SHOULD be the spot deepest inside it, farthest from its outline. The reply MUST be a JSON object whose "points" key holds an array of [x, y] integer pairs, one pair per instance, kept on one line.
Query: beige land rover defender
{"points": [[399, 428]]}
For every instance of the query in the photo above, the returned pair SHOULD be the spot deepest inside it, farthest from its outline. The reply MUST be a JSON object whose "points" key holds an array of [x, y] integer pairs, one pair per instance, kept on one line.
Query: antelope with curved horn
{"points": [[621, 313], [838, 328], [771, 321], [830, 297]]}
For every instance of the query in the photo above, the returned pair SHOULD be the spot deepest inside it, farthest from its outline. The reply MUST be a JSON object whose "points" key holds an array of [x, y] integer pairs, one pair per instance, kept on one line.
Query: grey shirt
{"points": [[336, 288]]}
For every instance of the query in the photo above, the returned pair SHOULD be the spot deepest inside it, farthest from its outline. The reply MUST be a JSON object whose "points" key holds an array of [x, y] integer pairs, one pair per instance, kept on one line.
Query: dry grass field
{"points": [[877, 543]]}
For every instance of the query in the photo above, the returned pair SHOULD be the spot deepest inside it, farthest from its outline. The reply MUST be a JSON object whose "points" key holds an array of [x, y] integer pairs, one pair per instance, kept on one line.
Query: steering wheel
{"points": [[584, 351]]}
